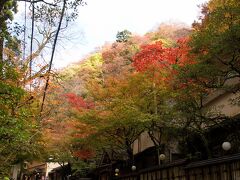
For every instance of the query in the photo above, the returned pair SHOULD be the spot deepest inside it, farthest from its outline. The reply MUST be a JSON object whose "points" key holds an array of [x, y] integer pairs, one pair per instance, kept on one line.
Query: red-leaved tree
{"points": [[78, 102], [159, 57]]}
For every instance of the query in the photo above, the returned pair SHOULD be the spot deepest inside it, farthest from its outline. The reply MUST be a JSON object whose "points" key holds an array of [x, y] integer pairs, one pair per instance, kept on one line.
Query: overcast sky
{"points": [[100, 20]]}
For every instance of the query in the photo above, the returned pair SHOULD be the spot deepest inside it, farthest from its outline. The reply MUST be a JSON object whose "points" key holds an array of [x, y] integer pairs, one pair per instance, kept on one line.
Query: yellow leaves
{"points": [[227, 15], [11, 56]]}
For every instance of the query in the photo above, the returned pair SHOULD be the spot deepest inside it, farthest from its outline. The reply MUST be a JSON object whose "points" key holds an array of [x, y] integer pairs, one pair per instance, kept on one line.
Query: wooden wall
{"points": [[223, 168]]}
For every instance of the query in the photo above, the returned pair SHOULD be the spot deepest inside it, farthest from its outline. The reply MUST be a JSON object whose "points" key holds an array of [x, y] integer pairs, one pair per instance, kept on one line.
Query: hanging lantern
{"points": [[226, 146], [133, 168], [162, 157]]}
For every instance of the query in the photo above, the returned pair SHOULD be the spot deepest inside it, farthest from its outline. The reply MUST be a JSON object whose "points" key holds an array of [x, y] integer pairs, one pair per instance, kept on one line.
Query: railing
{"points": [[223, 168]]}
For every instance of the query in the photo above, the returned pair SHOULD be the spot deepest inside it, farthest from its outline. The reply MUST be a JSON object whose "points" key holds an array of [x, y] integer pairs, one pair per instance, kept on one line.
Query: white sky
{"points": [[100, 20]]}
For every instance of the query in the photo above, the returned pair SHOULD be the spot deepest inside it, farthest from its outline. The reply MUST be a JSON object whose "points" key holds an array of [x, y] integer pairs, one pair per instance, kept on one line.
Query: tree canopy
{"points": [[155, 83]]}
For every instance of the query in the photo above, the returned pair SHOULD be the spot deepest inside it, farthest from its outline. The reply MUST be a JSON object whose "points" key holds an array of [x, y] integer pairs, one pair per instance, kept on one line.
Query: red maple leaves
{"points": [[78, 102], [151, 55], [156, 56]]}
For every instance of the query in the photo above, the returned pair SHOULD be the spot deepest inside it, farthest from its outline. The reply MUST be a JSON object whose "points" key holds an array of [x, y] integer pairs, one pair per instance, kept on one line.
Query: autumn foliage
{"points": [[130, 93], [159, 57], [78, 102], [162, 62], [148, 83], [84, 154], [151, 55]]}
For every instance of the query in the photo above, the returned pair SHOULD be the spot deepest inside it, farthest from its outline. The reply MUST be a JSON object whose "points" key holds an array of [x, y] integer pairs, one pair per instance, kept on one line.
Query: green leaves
{"points": [[216, 40], [123, 36]]}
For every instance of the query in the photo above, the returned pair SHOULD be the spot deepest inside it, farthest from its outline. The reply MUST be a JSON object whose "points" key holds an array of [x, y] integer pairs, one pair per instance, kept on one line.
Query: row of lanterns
{"points": [[117, 170], [225, 145], [134, 168]]}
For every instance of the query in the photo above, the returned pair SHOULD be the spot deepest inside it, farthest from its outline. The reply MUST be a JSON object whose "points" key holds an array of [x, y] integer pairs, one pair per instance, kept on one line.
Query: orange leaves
{"points": [[163, 62], [157, 56], [183, 52], [84, 154], [83, 130], [151, 55]]}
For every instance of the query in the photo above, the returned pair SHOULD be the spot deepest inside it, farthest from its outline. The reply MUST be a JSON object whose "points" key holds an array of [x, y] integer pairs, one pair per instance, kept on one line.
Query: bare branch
{"points": [[53, 51], [36, 1]]}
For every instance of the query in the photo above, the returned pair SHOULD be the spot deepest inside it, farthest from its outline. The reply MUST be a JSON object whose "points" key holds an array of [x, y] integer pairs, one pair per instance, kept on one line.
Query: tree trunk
{"points": [[206, 146], [129, 151], [2, 27], [155, 99], [1, 4], [1, 57]]}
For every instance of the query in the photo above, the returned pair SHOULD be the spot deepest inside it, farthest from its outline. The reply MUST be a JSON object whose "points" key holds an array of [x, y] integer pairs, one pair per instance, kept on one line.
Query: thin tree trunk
{"points": [[206, 146], [2, 26], [52, 55], [155, 99], [156, 112], [1, 4], [129, 151], [1, 57]]}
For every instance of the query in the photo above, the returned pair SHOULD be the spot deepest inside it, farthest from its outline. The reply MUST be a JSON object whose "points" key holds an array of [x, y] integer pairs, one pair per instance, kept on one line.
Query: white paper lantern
{"points": [[134, 168], [162, 157], [226, 146], [116, 170]]}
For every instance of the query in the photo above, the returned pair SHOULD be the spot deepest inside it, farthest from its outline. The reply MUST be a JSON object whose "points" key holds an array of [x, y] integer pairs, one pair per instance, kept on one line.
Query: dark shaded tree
{"points": [[123, 36]]}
